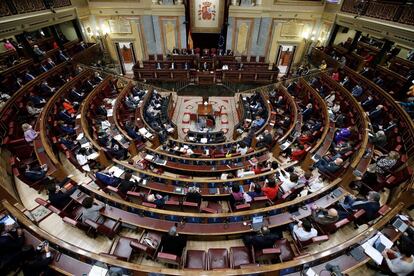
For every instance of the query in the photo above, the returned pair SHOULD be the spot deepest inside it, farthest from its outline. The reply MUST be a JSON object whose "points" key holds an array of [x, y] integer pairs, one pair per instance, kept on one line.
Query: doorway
{"points": [[285, 57], [126, 56]]}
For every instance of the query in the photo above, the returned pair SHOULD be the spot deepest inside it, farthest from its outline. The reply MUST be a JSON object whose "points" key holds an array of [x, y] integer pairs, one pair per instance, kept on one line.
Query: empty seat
{"points": [[196, 259], [218, 258]]}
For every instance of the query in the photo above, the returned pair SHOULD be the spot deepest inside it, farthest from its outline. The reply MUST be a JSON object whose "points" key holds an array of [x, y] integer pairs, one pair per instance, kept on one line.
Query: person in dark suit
{"points": [[324, 216], [58, 196], [307, 112], [35, 174], [173, 243], [370, 205], [263, 239], [329, 166], [266, 141], [11, 243], [376, 114], [126, 184], [368, 103]]}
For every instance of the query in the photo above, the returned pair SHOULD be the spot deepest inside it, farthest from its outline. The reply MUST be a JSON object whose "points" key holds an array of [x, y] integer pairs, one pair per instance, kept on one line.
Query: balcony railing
{"points": [[12, 7], [390, 11]]}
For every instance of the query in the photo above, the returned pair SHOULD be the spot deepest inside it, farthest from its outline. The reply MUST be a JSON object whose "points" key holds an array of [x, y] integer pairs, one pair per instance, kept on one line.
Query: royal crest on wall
{"points": [[206, 11], [206, 16]]}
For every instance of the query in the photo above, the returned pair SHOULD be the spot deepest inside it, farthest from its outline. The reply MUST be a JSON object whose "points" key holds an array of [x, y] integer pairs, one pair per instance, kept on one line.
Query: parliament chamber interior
{"points": [[207, 137]]}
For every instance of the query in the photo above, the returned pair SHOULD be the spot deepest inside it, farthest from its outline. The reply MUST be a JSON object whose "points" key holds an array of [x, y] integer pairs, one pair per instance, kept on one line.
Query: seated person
{"points": [[303, 230], [357, 91], [29, 133], [242, 148], [329, 166], [266, 140], [262, 239], [270, 189], [288, 183], [307, 112], [255, 190], [324, 216], [236, 196], [127, 183], [193, 195], [58, 196], [343, 134], [258, 122], [305, 137], [298, 154], [157, 199], [107, 178], [118, 152], [91, 211], [35, 174], [11, 243], [400, 262], [173, 243], [38, 261], [384, 163], [370, 205], [376, 114], [378, 139]]}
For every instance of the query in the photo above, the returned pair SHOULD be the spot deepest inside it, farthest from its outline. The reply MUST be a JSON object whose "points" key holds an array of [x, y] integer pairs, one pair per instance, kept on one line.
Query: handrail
{"points": [[116, 108], [295, 113], [24, 221], [84, 109], [325, 115], [45, 113], [282, 205], [157, 151]]}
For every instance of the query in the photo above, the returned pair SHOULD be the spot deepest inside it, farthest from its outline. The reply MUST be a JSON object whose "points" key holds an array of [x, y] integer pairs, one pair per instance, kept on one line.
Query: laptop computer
{"points": [[400, 225], [257, 223], [378, 245]]}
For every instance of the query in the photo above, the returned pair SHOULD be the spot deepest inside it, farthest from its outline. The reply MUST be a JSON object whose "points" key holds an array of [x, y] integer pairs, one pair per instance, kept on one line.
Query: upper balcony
{"points": [[397, 11], [14, 7]]}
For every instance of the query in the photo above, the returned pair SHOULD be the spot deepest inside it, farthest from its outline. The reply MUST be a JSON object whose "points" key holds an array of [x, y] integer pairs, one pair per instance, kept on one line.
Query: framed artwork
{"points": [[206, 16], [120, 26]]}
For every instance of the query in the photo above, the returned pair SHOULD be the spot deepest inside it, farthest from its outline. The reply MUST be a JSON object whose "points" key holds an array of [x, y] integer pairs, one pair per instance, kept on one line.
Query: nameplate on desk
{"points": [[40, 149]]}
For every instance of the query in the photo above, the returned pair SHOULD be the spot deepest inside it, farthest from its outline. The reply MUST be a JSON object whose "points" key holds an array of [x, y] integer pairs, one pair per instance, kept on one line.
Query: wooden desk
{"points": [[204, 110], [216, 229]]}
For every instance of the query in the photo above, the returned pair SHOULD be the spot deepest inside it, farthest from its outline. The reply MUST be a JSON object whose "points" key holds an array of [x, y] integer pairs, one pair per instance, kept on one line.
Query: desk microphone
{"points": [[226, 223]]}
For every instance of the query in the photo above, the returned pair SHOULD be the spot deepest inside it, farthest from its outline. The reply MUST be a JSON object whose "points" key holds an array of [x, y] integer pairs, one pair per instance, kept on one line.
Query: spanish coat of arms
{"points": [[206, 11]]}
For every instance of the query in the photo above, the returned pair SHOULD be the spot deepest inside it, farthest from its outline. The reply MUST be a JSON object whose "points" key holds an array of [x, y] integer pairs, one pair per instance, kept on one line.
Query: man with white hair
{"points": [[324, 216], [329, 166]]}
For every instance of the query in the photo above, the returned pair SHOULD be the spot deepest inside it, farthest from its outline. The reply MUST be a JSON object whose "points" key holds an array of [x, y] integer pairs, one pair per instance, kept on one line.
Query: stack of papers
{"points": [[372, 252], [97, 271], [92, 156], [118, 137], [117, 172], [149, 157]]}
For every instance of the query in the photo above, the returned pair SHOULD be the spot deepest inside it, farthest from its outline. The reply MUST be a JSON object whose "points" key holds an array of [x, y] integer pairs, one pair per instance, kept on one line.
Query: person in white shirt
{"points": [[400, 263], [289, 180], [242, 148], [303, 230]]}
